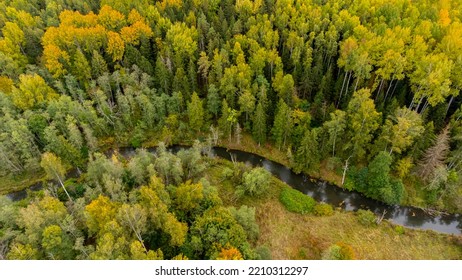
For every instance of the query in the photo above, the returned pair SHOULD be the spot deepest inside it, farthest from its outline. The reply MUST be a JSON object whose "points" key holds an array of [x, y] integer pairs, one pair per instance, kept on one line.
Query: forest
{"points": [[364, 94]]}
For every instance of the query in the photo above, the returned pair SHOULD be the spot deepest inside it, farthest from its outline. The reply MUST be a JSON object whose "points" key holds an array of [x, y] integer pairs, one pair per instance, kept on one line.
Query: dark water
{"points": [[350, 200], [321, 191]]}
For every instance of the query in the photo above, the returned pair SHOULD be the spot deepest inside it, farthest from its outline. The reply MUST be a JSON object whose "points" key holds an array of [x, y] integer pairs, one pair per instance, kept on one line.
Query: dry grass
{"points": [[296, 236]]}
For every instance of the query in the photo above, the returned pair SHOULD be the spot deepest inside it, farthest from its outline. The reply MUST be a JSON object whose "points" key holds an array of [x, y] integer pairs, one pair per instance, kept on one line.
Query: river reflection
{"points": [[350, 200], [321, 191]]}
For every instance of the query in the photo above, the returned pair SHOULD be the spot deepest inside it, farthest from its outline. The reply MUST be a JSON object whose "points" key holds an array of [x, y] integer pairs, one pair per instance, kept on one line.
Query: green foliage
{"points": [[245, 216], [323, 209], [196, 113], [366, 217], [254, 183], [375, 180], [77, 76], [308, 156], [297, 202], [339, 251], [259, 124], [263, 253], [400, 230], [216, 226]]}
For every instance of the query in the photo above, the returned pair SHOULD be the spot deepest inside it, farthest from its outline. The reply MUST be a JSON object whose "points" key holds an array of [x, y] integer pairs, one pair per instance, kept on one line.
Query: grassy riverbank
{"points": [[10, 183], [305, 236], [415, 195]]}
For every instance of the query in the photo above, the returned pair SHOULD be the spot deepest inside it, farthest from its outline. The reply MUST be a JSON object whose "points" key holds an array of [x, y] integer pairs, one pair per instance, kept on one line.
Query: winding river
{"points": [[410, 217]]}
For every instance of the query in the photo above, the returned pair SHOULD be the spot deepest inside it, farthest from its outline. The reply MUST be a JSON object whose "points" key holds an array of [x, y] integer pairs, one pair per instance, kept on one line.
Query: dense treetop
{"points": [[366, 89]]}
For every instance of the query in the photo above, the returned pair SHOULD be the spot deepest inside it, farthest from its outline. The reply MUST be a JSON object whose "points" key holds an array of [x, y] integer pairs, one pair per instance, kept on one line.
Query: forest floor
{"points": [[306, 236]]}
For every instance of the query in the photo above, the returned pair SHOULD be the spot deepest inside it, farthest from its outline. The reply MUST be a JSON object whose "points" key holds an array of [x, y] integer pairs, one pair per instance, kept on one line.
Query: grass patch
{"points": [[297, 202], [290, 235], [13, 183]]}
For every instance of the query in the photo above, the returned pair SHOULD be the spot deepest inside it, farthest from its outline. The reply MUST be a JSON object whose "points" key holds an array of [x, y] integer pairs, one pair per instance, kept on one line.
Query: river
{"points": [[322, 191]]}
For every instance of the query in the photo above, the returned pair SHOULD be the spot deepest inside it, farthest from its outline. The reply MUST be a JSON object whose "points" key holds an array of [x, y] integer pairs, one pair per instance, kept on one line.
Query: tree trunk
{"points": [[345, 168], [62, 185]]}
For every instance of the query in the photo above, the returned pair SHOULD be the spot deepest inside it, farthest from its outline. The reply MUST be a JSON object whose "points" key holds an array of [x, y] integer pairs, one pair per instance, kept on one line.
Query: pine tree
{"points": [[259, 124], [435, 156], [196, 113], [282, 127], [308, 157]]}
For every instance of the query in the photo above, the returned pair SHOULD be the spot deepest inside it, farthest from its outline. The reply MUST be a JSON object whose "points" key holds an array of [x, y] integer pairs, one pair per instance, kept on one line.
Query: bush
{"points": [[339, 251], [245, 216], [323, 209], [399, 230], [297, 202], [366, 217], [226, 173], [263, 253], [254, 183]]}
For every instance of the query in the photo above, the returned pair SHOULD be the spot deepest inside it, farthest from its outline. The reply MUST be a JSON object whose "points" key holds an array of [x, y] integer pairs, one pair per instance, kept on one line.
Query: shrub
{"points": [[263, 253], [399, 230], [339, 251], [227, 173], [323, 209], [366, 217], [245, 216], [254, 183], [297, 202]]}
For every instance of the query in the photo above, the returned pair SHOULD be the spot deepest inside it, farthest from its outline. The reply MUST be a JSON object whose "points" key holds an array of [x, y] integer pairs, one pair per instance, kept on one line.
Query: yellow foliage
{"points": [[110, 18], [132, 34], [32, 91], [176, 229], [13, 33], [115, 46], [403, 166], [54, 58], [99, 212], [6, 84], [134, 16], [76, 19], [444, 18], [229, 253], [180, 257], [171, 3]]}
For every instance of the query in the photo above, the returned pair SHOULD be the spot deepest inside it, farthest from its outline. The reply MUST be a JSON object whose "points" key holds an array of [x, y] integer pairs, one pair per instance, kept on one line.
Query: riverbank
{"points": [[414, 197], [247, 144], [306, 236]]}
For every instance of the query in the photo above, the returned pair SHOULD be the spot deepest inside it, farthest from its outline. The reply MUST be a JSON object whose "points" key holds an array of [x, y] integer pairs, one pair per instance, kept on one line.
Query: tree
{"points": [[133, 218], [254, 183], [168, 165], [228, 119], [98, 65], [259, 124], [282, 127], [215, 227], [186, 198], [229, 253], [245, 216], [213, 101], [196, 113], [54, 169], [335, 128], [32, 92], [284, 86], [363, 121], [400, 130], [307, 157], [435, 156], [81, 68], [192, 161]]}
